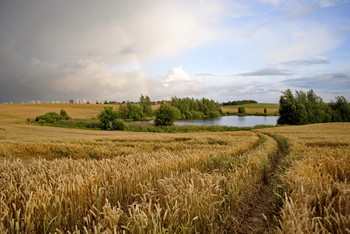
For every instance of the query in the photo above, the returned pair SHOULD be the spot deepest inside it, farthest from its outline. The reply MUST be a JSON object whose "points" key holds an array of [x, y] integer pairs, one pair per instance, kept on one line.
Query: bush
{"points": [[213, 114], [130, 111], [166, 115], [197, 114], [107, 118], [49, 117], [64, 115], [118, 124], [241, 110]]}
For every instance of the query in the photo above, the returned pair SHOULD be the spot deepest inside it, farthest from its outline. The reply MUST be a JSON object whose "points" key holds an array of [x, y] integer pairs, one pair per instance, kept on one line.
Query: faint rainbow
{"points": [[135, 60]]}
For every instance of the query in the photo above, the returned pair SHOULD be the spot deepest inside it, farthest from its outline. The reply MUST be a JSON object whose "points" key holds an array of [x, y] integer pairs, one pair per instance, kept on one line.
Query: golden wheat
{"points": [[65, 184], [56, 180], [317, 182]]}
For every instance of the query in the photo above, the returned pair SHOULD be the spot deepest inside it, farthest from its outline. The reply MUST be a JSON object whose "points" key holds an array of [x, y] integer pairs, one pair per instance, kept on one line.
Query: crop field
{"points": [[317, 180], [253, 108], [13, 113], [55, 180]]}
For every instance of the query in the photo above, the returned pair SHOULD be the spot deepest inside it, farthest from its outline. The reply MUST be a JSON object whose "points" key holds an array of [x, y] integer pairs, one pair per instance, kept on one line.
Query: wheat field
{"points": [[316, 183], [55, 180]]}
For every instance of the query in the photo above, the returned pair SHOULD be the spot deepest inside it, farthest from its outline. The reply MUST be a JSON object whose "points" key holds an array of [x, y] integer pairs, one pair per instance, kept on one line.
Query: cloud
{"points": [[326, 82], [178, 83], [273, 2], [311, 61], [40, 80], [300, 42], [265, 72], [157, 28], [22, 81], [130, 50]]}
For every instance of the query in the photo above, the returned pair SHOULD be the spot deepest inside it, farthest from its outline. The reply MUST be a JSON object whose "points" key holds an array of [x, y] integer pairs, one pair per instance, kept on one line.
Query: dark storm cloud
{"points": [[266, 72]]}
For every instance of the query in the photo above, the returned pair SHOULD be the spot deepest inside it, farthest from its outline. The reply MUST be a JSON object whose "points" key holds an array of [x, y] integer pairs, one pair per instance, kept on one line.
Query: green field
{"points": [[253, 108]]}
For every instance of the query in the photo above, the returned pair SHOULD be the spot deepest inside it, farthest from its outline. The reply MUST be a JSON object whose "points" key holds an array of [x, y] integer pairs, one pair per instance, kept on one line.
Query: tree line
{"points": [[196, 108], [165, 115], [236, 103], [306, 107]]}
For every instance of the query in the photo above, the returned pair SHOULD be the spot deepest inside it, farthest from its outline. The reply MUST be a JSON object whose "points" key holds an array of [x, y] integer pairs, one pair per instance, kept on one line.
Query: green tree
{"points": [[49, 117], [146, 105], [130, 111], [107, 118], [190, 108], [340, 110], [287, 109], [118, 124], [302, 108], [241, 109], [166, 115], [135, 111], [64, 114]]}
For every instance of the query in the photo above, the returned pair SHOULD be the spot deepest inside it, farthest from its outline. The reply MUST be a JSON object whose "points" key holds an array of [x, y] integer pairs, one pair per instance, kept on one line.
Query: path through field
{"points": [[263, 212]]}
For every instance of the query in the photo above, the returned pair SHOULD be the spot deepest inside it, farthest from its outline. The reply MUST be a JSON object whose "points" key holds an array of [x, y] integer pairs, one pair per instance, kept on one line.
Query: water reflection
{"points": [[235, 121]]}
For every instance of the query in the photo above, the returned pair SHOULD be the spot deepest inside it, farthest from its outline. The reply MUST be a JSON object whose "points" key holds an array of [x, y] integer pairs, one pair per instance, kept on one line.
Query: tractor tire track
{"points": [[263, 213]]}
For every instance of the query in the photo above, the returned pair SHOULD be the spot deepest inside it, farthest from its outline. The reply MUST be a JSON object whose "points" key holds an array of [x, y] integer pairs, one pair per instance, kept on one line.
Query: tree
{"points": [[166, 115], [130, 111], [191, 108], [64, 114], [49, 117], [340, 110], [241, 109], [145, 103], [302, 108], [287, 108], [107, 118], [118, 124]]}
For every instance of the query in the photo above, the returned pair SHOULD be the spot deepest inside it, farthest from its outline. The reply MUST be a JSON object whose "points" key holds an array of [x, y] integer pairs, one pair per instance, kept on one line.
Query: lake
{"points": [[232, 121]]}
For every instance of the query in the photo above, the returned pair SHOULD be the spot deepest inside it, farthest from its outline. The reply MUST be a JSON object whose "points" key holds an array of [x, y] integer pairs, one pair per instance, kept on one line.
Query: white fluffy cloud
{"points": [[178, 83]]}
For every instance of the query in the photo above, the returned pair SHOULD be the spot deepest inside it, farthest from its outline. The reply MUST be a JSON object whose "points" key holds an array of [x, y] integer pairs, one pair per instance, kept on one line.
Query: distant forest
{"points": [[235, 103]]}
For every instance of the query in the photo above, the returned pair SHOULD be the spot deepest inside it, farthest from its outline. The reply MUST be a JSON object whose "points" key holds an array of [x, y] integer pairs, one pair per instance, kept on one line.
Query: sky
{"points": [[223, 50]]}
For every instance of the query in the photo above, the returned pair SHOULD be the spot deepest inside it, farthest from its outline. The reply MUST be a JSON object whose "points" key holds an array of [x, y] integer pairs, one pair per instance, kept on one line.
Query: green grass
{"points": [[253, 109], [73, 123]]}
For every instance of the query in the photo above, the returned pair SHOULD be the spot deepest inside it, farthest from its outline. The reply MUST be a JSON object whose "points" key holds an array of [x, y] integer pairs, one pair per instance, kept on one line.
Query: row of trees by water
{"points": [[306, 107], [196, 108], [165, 115]]}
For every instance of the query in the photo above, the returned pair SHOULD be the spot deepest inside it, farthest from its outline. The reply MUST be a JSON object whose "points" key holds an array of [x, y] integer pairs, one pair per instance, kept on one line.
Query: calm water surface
{"points": [[232, 121]]}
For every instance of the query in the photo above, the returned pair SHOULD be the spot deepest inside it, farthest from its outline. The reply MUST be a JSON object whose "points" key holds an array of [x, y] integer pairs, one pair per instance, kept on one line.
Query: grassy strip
{"points": [[147, 127], [186, 128], [251, 114], [73, 123]]}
